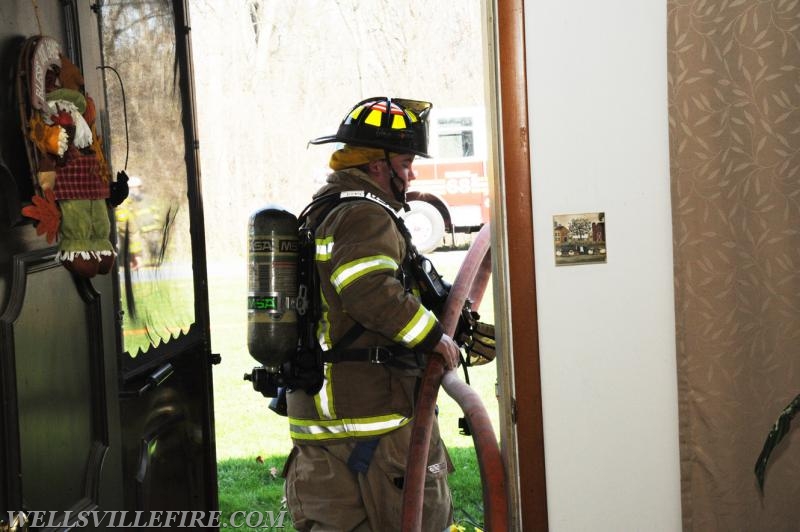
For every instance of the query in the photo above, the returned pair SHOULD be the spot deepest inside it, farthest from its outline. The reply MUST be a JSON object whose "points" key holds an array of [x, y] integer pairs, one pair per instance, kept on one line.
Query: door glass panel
{"points": [[147, 141]]}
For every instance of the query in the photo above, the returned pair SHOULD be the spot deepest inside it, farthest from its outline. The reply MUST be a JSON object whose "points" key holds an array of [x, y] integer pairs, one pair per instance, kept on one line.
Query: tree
{"points": [[580, 228], [271, 74]]}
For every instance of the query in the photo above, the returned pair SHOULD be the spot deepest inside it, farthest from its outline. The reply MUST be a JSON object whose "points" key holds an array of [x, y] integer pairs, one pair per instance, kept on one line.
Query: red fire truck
{"points": [[451, 192]]}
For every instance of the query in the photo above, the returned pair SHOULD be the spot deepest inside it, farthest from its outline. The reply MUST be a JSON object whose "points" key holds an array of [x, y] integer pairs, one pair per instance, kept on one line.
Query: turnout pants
{"points": [[324, 493]]}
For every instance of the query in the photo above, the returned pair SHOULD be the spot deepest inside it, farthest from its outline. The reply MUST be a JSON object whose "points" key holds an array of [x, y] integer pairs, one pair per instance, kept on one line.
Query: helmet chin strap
{"points": [[396, 182]]}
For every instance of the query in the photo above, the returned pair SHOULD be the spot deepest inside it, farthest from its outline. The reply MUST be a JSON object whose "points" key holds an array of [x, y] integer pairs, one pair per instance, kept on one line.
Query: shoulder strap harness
{"points": [[308, 307]]}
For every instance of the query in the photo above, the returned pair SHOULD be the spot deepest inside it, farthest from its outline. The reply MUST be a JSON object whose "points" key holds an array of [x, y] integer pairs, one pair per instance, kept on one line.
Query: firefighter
{"points": [[141, 227], [127, 225], [351, 439]]}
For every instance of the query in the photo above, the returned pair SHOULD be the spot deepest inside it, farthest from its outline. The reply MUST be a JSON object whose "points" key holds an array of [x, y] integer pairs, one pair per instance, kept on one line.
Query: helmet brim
{"points": [[351, 142], [325, 140]]}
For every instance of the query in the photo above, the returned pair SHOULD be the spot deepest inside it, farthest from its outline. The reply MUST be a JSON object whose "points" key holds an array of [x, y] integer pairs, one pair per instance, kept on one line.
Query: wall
{"points": [[598, 123]]}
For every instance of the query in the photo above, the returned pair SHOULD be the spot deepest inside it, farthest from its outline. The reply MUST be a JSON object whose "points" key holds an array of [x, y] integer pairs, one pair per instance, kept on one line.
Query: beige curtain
{"points": [[734, 110]]}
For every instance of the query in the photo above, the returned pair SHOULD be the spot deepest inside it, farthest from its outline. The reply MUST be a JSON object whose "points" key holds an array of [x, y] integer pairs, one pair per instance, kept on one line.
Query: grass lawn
{"points": [[253, 442]]}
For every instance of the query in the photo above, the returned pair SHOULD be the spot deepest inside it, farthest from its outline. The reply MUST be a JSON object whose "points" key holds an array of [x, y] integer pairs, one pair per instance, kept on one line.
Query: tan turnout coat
{"points": [[360, 251]]}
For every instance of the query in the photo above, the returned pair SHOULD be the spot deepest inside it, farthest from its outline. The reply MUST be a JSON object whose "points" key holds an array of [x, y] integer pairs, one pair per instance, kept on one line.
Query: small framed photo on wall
{"points": [[579, 238]]}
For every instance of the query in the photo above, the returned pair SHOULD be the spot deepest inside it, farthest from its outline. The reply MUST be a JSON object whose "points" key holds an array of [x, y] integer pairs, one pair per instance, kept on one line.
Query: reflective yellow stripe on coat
{"points": [[316, 429], [324, 398], [347, 274], [417, 329]]}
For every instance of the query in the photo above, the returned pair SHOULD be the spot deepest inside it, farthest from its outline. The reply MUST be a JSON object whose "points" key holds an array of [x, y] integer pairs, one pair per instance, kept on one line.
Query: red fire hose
{"points": [[470, 282]]}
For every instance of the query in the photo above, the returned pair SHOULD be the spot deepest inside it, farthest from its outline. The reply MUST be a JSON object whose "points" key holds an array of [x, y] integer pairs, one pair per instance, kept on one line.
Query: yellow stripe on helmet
{"points": [[374, 118], [355, 112]]}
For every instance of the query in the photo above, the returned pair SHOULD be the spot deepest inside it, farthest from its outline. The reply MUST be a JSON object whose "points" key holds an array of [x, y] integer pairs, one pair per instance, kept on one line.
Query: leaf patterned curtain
{"points": [[734, 110]]}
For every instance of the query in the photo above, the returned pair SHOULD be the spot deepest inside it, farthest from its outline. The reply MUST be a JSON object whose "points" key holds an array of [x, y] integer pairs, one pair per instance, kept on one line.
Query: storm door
{"points": [[166, 403], [105, 377]]}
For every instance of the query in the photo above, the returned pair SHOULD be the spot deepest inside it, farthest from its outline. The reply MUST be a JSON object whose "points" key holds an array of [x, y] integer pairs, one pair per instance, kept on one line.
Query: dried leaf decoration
{"points": [[46, 211], [779, 430]]}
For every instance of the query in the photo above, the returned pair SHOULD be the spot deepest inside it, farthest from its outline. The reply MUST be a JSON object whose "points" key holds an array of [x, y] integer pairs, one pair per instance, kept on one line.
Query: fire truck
{"points": [[451, 192]]}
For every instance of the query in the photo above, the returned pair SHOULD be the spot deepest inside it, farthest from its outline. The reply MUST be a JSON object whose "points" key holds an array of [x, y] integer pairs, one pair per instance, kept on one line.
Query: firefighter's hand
{"points": [[448, 350]]}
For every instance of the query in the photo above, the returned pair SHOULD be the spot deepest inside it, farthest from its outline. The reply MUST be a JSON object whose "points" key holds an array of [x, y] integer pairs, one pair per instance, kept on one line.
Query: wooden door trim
{"points": [[515, 155]]}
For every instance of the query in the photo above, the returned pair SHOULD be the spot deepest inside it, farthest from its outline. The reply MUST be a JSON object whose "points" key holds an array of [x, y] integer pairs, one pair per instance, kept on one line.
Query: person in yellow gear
{"points": [[351, 439], [141, 227], [130, 242]]}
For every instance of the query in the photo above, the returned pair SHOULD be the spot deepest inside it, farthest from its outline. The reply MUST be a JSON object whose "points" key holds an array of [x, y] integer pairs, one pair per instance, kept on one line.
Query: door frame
{"points": [[520, 378]]}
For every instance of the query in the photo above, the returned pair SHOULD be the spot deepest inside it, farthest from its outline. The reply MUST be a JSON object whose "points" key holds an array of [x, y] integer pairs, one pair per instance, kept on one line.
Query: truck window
{"points": [[455, 137]]}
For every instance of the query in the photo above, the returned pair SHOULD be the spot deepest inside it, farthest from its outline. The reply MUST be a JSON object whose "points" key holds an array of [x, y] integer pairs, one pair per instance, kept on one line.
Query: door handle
{"points": [[153, 380]]}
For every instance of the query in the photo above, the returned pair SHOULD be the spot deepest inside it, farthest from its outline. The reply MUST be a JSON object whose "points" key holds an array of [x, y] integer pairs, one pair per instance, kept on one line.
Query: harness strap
{"points": [[361, 455], [334, 199], [350, 336], [380, 354]]}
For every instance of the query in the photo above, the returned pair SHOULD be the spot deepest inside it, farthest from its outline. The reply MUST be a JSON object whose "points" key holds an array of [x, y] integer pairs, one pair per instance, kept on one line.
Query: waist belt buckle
{"points": [[379, 355]]}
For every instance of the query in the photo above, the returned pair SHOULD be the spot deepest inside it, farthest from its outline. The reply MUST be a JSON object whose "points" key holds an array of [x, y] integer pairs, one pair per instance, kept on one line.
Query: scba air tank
{"points": [[272, 282]]}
